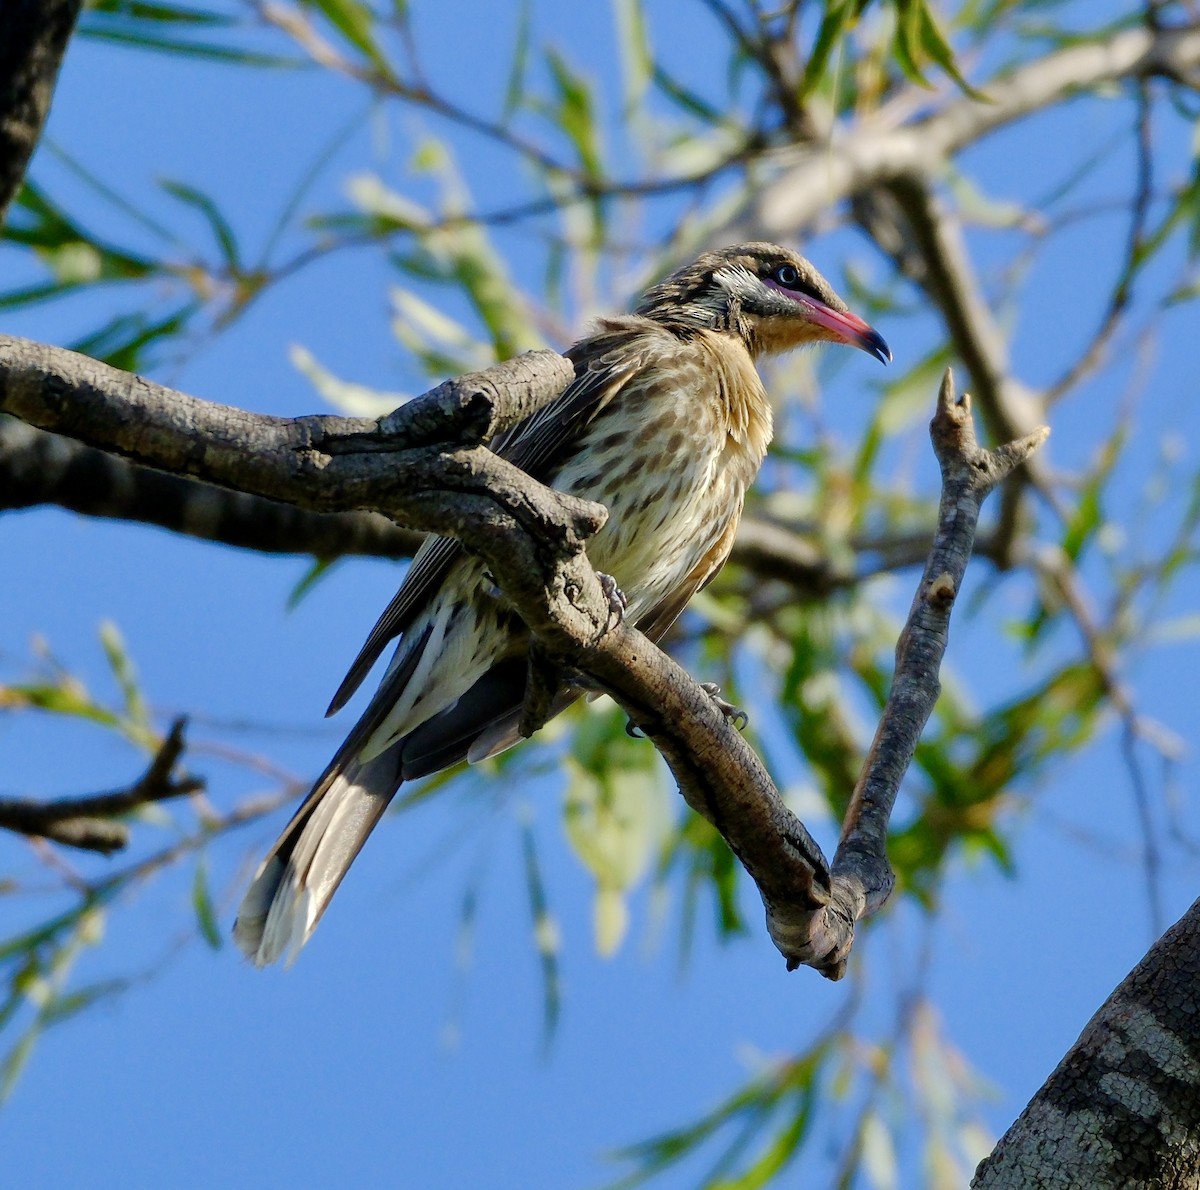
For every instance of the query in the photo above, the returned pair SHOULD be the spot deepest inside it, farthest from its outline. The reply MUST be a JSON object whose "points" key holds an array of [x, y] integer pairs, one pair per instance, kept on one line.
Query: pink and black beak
{"points": [[841, 326], [849, 328]]}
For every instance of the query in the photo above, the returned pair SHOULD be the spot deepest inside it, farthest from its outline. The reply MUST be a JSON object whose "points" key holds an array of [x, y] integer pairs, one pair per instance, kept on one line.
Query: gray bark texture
{"points": [[1122, 1109], [33, 39]]}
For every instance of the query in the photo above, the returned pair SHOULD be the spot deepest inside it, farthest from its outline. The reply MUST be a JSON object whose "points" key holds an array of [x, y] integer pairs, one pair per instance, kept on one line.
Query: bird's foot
{"points": [[617, 602], [735, 715]]}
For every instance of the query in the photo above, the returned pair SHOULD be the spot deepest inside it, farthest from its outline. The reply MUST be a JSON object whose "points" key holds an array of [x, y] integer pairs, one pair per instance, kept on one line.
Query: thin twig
{"points": [[1100, 344], [88, 822]]}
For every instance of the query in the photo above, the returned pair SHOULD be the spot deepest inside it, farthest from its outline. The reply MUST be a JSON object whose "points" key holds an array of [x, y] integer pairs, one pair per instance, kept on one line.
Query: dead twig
{"points": [[89, 822]]}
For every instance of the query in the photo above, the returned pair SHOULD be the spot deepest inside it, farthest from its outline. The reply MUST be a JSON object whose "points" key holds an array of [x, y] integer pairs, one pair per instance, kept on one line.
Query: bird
{"points": [[666, 424]]}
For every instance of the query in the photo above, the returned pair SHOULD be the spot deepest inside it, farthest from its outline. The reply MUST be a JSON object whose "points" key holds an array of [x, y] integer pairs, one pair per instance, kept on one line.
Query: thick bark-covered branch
{"points": [[38, 468], [88, 822], [423, 464], [432, 472], [33, 39], [814, 178], [1120, 1110]]}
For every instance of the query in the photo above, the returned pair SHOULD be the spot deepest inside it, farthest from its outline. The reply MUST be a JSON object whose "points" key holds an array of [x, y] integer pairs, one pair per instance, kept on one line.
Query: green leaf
{"points": [[68, 696], [575, 113], [206, 914], [787, 1088], [906, 41], [685, 98], [32, 295], [514, 90], [935, 45], [466, 258], [39, 224], [615, 815], [125, 673], [15, 1061], [355, 22], [48, 931], [637, 61], [918, 40], [313, 575], [122, 341], [62, 1007], [776, 1156], [879, 1151], [217, 223], [1087, 517], [545, 932], [207, 51], [171, 14], [355, 400], [836, 22]]}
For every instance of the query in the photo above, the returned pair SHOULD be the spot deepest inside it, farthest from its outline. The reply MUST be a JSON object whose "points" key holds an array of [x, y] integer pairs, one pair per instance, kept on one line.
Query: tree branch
{"points": [[811, 912], [811, 179], [323, 464], [1120, 1108], [87, 822], [862, 877], [40, 468], [35, 38], [423, 464]]}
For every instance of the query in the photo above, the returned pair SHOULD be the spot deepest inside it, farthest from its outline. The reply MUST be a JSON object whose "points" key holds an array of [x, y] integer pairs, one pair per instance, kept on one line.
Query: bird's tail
{"points": [[301, 873]]}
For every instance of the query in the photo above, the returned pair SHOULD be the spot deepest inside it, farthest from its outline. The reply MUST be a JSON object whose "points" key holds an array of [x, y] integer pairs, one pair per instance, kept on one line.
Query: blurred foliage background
{"points": [[1009, 186]]}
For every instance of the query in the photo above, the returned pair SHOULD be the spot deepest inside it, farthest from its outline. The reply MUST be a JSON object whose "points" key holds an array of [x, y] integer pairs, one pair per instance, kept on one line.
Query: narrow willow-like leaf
{"points": [[182, 47], [202, 904], [218, 224], [355, 22]]}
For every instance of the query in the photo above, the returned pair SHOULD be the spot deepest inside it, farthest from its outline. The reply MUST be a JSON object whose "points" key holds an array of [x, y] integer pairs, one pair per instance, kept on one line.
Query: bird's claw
{"points": [[617, 602], [735, 715], [633, 731]]}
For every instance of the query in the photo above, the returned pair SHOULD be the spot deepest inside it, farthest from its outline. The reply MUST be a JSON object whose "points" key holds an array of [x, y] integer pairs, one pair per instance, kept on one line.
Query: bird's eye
{"points": [[787, 275]]}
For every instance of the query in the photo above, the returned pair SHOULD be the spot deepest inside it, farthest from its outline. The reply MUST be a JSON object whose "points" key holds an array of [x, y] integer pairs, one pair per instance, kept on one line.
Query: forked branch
{"points": [[426, 466], [90, 822], [812, 908]]}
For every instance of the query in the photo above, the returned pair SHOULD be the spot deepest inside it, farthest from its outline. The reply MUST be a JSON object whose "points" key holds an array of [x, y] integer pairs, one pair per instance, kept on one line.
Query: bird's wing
{"points": [[486, 720], [667, 610], [429, 566], [603, 365]]}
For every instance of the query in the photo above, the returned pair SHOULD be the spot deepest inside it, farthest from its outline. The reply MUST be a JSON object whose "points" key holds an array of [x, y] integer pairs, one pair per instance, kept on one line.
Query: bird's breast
{"points": [[671, 458]]}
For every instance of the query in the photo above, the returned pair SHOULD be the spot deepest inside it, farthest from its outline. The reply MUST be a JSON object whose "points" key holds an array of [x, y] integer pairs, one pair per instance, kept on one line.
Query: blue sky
{"points": [[379, 1059]]}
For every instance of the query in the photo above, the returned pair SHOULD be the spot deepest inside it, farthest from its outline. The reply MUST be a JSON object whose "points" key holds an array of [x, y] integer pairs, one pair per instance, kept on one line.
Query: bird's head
{"points": [[769, 296]]}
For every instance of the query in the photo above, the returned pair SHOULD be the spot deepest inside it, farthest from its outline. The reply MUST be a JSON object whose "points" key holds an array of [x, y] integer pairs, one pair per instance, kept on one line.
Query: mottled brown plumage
{"points": [[666, 423]]}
